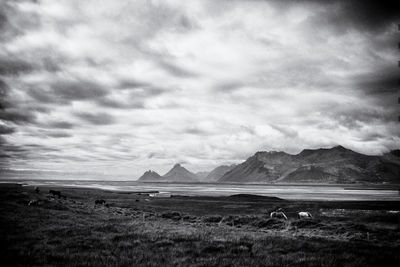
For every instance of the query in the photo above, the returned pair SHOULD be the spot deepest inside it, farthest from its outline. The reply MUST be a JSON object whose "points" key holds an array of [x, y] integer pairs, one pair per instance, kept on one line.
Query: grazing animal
{"points": [[100, 202], [278, 215], [55, 193], [304, 215], [37, 190], [34, 203]]}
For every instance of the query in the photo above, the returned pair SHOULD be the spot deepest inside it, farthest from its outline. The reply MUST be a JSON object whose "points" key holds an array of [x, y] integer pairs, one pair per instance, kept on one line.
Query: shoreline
{"points": [[349, 186], [249, 197], [290, 192]]}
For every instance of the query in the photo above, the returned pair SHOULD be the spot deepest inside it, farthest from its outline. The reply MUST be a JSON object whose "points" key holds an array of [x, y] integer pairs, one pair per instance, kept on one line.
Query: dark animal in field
{"points": [[55, 193], [34, 202], [37, 190], [99, 202], [304, 215], [278, 215]]}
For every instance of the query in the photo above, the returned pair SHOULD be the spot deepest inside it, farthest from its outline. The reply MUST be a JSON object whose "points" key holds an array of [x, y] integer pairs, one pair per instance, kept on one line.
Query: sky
{"points": [[121, 87]]}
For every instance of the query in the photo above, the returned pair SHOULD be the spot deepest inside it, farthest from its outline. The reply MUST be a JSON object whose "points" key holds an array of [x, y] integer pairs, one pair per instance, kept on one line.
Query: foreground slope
{"points": [[334, 165], [135, 230]]}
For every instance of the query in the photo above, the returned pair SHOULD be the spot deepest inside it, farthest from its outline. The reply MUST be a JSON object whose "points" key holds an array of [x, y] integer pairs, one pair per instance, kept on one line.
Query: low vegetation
{"points": [[136, 230]]}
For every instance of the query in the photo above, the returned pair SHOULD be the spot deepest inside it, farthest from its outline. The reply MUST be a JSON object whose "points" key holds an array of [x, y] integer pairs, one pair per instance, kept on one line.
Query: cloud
{"points": [[65, 91], [17, 116], [383, 82], [175, 70], [4, 129], [61, 124], [116, 103], [204, 82], [366, 15], [9, 66], [100, 118], [59, 134], [78, 90]]}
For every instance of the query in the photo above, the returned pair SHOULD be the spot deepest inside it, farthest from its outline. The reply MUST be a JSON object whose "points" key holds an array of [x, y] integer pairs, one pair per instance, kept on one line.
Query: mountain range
{"points": [[176, 174], [217, 173], [333, 165]]}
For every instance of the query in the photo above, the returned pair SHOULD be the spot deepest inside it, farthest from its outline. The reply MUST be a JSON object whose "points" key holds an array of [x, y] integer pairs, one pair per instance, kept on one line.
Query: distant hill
{"points": [[334, 165], [150, 176], [179, 174], [218, 172]]}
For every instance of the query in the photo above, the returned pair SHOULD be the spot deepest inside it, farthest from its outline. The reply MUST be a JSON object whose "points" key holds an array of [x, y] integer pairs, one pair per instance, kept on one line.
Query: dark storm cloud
{"points": [[3, 94], [78, 90], [27, 151], [18, 116], [58, 134], [61, 125], [111, 103], [370, 14], [51, 64], [368, 137], [45, 96], [354, 117], [66, 91], [8, 150], [12, 23], [3, 19], [4, 129], [10, 110], [367, 15], [96, 118], [131, 84], [134, 99], [382, 82], [13, 66], [41, 148]]}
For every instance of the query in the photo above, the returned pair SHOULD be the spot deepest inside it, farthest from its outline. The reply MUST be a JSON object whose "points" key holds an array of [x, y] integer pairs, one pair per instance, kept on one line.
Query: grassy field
{"points": [[136, 230]]}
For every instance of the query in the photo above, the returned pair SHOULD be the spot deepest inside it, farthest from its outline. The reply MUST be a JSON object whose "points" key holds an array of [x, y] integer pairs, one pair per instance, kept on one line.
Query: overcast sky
{"points": [[126, 86]]}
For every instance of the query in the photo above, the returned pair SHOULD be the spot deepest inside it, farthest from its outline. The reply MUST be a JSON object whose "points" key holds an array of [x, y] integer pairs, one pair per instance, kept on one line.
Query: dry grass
{"points": [[75, 232]]}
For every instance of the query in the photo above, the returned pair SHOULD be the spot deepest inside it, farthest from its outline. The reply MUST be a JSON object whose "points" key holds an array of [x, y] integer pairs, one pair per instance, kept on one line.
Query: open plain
{"points": [[135, 229]]}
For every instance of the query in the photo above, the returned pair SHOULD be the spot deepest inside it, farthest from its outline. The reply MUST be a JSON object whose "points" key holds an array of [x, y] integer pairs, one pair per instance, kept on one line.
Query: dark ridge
{"points": [[251, 197], [395, 152], [323, 165]]}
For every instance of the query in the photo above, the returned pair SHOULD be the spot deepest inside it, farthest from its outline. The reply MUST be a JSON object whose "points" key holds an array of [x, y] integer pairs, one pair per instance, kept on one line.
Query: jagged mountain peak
{"points": [[178, 173], [338, 148], [177, 165], [150, 176]]}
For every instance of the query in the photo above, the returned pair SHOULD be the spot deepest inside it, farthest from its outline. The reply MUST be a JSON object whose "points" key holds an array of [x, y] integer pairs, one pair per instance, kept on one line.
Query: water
{"points": [[286, 191]]}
